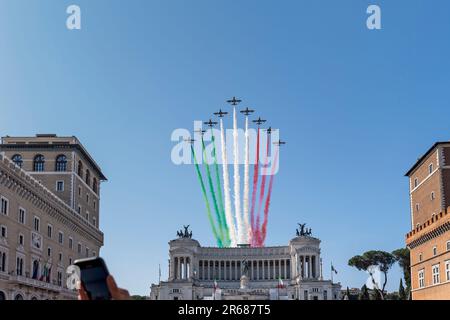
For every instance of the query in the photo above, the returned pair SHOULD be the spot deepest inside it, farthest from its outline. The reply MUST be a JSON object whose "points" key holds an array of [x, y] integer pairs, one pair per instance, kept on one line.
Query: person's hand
{"points": [[116, 292]]}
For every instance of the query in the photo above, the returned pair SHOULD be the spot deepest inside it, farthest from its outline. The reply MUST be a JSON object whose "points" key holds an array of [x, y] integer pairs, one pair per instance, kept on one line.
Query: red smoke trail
{"points": [[269, 194], [262, 189], [255, 188]]}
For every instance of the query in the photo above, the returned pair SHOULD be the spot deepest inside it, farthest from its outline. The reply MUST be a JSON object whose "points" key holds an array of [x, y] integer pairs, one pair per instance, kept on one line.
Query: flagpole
{"points": [[332, 272]]}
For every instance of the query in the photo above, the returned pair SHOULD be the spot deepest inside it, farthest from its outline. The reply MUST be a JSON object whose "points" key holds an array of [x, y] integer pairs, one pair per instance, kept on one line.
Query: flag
{"points": [[47, 276], [280, 283], [333, 269]]}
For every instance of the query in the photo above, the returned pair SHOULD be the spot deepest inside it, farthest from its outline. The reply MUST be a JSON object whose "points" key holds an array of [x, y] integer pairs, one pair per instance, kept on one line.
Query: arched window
{"points": [[18, 297], [88, 177], [80, 169], [94, 185], [61, 163], [38, 163], [17, 159]]}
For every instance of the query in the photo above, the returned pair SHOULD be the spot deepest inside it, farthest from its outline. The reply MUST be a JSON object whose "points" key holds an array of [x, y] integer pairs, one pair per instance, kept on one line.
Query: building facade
{"points": [[49, 214], [245, 273], [429, 238]]}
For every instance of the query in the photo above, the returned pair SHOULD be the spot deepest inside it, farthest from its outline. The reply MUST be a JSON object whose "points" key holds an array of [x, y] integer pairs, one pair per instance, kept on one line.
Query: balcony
{"points": [[34, 283]]}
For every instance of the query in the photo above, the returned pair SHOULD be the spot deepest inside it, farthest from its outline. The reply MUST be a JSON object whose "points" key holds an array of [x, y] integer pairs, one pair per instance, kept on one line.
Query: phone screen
{"points": [[93, 278]]}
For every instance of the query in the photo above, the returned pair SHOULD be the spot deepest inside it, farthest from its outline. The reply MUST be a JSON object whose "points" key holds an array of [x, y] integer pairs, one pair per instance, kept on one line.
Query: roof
{"points": [[56, 144], [426, 154]]}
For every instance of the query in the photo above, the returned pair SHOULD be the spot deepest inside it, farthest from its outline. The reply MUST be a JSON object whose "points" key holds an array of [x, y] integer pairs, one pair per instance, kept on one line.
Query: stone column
{"points": [[279, 269], [285, 268]]}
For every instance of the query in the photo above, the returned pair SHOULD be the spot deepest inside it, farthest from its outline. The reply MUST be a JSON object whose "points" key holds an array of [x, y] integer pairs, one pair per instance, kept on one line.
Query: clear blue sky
{"points": [[357, 107]]}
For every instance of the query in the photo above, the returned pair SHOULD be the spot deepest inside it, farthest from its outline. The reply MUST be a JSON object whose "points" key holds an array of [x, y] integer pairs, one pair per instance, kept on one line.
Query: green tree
{"points": [[401, 291], [364, 295], [402, 256], [374, 258]]}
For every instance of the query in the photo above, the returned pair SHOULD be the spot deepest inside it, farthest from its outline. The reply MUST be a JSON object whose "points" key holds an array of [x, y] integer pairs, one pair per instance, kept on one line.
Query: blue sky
{"points": [[357, 107]]}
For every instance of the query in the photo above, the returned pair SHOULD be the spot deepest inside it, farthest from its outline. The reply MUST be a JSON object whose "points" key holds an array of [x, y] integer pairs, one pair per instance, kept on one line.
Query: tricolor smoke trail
{"points": [[255, 189], [246, 234], [205, 196], [226, 239], [262, 189], [269, 194], [213, 193], [237, 181], [226, 189]]}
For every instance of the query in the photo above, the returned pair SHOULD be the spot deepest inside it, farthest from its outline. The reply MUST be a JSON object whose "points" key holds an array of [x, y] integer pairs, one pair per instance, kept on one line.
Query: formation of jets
{"points": [[234, 101]]}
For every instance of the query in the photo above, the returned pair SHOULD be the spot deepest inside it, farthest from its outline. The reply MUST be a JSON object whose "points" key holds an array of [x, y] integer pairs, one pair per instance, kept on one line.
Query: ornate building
{"points": [[49, 214], [429, 238], [244, 273]]}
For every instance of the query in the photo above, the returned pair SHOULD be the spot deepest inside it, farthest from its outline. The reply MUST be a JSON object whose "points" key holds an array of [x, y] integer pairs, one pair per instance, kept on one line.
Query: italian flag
{"points": [[280, 283]]}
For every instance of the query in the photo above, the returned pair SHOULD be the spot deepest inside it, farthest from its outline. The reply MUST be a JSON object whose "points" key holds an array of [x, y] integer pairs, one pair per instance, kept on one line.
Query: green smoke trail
{"points": [[205, 196], [213, 194], [226, 239]]}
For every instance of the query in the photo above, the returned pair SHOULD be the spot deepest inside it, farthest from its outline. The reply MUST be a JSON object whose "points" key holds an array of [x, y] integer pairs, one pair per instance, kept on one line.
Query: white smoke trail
{"points": [[237, 181], [226, 188], [246, 232]]}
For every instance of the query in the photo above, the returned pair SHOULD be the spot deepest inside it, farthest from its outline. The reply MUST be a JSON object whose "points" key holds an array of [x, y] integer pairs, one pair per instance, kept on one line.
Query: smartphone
{"points": [[93, 272]]}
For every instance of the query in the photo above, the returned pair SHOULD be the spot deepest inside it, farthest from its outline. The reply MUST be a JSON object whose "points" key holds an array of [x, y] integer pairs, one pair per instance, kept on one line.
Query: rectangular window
{"points": [[60, 237], [19, 266], [21, 217], [421, 279], [3, 264], [447, 270], [36, 224], [49, 231], [417, 207], [433, 196], [59, 278], [79, 209], [60, 257], [60, 186], [430, 168], [94, 221], [79, 191], [70, 243], [49, 251], [87, 252], [21, 240], [448, 245], [416, 182], [436, 275], [305, 294], [79, 248], [420, 257], [434, 251], [3, 232], [95, 204], [4, 207], [87, 198]]}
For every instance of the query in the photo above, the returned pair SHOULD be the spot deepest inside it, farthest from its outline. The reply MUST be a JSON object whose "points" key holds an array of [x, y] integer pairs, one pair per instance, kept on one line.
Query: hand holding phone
{"points": [[96, 282]]}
